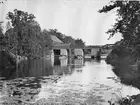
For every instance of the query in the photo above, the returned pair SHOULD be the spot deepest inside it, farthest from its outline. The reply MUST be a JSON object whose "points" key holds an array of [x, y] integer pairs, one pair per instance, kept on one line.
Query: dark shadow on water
{"points": [[57, 61], [42, 67], [35, 68], [128, 75], [8, 73], [28, 68]]}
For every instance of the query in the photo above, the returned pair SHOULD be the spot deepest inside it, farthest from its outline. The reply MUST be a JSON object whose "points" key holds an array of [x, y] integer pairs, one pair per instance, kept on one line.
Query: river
{"points": [[64, 82]]}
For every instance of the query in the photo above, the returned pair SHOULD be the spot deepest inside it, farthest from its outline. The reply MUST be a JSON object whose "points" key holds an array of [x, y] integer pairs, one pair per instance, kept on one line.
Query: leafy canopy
{"points": [[67, 39], [127, 23], [25, 37]]}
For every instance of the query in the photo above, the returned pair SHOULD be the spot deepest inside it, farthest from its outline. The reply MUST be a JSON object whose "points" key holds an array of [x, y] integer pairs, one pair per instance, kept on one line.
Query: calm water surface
{"points": [[64, 81]]}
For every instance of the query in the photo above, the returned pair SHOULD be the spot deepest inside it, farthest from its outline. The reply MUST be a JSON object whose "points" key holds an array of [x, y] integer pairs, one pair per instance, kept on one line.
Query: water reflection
{"points": [[41, 67], [78, 63], [66, 66], [61, 67], [66, 81], [29, 68], [8, 73]]}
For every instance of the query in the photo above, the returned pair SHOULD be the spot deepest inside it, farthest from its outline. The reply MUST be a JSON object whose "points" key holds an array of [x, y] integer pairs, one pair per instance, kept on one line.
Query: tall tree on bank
{"points": [[46, 41], [79, 43], [128, 24], [128, 20], [24, 37]]}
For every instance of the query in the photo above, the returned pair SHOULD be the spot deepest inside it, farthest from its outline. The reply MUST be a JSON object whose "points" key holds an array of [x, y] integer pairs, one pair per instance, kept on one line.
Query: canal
{"points": [[66, 82]]}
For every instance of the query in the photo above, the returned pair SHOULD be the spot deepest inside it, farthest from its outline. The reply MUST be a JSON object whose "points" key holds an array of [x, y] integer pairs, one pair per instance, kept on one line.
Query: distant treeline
{"points": [[24, 36]]}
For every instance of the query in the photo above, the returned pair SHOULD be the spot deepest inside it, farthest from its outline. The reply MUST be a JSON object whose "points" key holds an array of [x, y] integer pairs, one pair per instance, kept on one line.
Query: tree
{"points": [[127, 23], [69, 39], [46, 38], [19, 20], [79, 43], [56, 33], [46, 41], [128, 20], [62, 37], [25, 36]]}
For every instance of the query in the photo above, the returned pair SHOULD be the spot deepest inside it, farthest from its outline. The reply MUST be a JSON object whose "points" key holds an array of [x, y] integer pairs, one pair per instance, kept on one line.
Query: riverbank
{"points": [[125, 61], [122, 54]]}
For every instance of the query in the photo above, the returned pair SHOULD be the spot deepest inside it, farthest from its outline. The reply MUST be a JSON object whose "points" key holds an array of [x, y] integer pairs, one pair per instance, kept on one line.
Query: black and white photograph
{"points": [[69, 52]]}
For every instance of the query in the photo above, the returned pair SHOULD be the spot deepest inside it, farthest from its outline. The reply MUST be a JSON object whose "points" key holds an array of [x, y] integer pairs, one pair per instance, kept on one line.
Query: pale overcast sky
{"points": [[76, 18]]}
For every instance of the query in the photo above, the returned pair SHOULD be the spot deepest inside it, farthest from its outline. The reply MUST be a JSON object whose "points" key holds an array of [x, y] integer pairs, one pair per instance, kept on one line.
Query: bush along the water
{"points": [[121, 54], [128, 100]]}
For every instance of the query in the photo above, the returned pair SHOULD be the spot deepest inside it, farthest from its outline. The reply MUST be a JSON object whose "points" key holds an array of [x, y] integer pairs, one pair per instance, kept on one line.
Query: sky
{"points": [[76, 18]]}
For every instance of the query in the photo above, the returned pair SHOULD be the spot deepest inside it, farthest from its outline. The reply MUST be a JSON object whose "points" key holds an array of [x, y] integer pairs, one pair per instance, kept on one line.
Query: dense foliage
{"points": [[67, 39], [128, 20], [24, 36], [127, 23], [79, 43]]}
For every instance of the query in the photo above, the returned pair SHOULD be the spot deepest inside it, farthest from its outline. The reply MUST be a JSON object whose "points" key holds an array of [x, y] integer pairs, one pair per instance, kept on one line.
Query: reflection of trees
{"points": [[8, 73], [128, 75], [35, 68], [58, 70], [78, 63], [29, 68]]}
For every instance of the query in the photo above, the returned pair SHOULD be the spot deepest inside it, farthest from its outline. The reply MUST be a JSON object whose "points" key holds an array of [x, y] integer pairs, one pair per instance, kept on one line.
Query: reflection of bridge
{"points": [[66, 66]]}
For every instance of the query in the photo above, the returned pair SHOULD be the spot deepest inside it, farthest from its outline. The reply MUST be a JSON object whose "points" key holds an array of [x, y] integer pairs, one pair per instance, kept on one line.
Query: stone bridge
{"points": [[63, 49], [69, 51]]}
